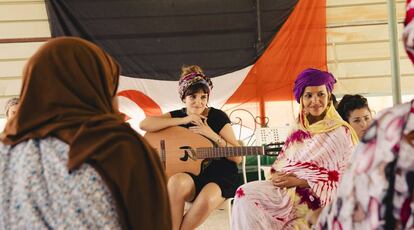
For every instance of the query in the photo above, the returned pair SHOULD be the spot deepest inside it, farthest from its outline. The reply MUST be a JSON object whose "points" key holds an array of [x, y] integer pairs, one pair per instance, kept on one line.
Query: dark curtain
{"points": [[153, 39]]}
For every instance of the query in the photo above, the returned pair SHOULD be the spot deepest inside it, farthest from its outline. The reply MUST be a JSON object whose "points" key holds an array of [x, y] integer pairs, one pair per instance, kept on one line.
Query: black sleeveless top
{"points": [[221, 171], [217, 119]]}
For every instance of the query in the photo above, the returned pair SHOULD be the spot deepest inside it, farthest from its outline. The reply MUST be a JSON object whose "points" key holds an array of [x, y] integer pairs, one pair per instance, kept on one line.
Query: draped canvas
{"points": [[252, 54], [300, 44], [152, 39]]}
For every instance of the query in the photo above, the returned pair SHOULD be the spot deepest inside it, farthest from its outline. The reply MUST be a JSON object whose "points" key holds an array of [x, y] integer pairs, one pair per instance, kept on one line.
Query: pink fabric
{"points": [[360, 200], [319, 159], [409, 15]]}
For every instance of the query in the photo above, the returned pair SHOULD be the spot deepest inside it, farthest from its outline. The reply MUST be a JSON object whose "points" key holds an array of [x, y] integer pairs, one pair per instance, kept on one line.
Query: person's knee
{"points": [[180, 185], [211, 197], [251, 187], [179, 181], [207, 203], [241, 191]]}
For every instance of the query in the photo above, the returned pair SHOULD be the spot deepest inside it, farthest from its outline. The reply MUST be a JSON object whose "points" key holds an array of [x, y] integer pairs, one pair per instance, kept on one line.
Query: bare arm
{"points": [[227, 134], [153, 124], [225, 138], [287, 180]]}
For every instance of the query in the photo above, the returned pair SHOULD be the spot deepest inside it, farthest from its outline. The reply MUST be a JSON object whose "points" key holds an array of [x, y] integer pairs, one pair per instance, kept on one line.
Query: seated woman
{"points": [[307, 171], [219, 179], [354, 109], [11, 107], [67, 158]]}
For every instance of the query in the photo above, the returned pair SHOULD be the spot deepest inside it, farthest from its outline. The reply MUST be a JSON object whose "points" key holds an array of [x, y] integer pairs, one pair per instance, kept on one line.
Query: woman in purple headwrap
{"points": [[308, 169], [217, 181]]}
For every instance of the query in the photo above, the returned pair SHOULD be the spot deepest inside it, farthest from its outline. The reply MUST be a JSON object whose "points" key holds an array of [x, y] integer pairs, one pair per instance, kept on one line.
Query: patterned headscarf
{"points": [[312, 77], [191, 79]]}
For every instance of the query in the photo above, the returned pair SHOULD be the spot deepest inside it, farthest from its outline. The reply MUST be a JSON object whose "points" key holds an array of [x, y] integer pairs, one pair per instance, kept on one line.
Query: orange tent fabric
{"points": [[300, 44]]}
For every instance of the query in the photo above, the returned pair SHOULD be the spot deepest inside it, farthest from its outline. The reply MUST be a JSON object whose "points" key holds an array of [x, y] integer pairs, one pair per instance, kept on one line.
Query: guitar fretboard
{"points": [[202, 153]]}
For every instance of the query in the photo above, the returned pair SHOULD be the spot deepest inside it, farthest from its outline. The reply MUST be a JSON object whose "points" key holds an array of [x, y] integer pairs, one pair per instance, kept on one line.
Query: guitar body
{"points": [[176, 137]]}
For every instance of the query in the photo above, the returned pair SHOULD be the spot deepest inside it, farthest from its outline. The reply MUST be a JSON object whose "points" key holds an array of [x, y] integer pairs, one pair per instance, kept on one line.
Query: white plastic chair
{"points": [[228, 202], [260, 168], [267, 136]]}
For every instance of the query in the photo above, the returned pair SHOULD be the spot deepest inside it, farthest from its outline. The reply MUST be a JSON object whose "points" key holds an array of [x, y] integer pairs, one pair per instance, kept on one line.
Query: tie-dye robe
{"points": [[320, 159]]}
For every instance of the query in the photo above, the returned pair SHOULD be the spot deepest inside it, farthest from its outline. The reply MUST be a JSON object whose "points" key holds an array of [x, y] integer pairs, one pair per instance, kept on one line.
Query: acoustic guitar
{"points": [[183, 151]]}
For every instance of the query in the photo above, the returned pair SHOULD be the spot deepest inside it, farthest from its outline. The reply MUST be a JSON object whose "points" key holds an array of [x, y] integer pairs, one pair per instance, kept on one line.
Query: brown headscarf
{"points": [[67, 92]]}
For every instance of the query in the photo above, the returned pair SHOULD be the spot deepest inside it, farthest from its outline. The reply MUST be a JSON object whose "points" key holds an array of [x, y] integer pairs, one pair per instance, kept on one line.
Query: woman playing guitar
{"points": [[218, 179]]}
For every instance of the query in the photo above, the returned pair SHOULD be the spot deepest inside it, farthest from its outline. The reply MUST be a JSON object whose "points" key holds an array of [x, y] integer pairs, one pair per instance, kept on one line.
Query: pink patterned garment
{"points": [[362, 201], [409, 15], [320, 159]]}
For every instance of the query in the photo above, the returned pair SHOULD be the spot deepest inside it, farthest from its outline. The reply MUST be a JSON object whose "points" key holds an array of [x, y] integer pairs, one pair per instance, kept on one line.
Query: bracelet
{"points": [[219, 141]]}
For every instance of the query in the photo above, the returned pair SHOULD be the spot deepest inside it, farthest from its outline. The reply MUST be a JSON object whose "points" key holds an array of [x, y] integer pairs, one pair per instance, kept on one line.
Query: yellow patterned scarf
{"points": [[331, 121]]}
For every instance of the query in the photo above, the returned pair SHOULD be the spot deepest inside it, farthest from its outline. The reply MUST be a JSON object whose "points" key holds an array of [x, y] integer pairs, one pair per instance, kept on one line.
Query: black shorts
{"points": [[221, 171]]}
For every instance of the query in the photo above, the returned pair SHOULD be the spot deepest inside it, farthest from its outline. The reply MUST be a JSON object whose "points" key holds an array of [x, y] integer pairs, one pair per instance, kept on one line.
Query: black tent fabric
{"points": [[153, 39]]}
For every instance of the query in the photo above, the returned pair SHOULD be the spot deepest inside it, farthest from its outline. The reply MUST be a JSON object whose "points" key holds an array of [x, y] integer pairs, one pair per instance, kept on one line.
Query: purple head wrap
{"points": [[191, 79], [312, 77]]}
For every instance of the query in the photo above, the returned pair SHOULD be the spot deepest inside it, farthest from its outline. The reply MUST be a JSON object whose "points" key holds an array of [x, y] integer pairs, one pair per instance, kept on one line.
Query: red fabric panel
{"points": [[300, 44], [150, 107]]}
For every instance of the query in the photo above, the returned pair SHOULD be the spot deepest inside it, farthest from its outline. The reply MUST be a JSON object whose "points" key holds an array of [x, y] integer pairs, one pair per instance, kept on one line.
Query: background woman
{"points": [[219, 179], [11, 107], [308, 169], [354, 109]]}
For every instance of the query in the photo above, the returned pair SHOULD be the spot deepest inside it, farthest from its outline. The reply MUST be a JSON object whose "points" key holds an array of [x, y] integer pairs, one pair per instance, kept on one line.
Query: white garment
{"points": [[37, 192]]}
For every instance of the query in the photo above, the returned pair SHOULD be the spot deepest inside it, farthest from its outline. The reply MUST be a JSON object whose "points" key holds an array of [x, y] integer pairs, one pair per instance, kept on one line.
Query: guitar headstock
{"points": [[273, 149]]}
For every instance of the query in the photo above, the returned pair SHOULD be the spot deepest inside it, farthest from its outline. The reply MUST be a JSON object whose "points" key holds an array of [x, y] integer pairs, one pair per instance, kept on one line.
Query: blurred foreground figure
{"points": [[377, 191], [67, 159]]}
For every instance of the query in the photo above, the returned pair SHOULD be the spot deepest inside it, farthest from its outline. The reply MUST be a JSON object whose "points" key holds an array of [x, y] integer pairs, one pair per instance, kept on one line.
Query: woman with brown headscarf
{"points": [[67, 158]]}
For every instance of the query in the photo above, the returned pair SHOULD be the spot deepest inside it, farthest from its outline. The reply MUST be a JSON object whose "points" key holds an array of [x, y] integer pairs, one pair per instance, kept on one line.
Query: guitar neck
{"points": [[202, 153]]}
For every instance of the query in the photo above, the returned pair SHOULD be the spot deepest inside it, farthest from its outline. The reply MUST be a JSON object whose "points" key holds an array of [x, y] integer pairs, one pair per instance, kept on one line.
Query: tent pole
{"points": [[395, 67], [262, 107], [262, 104], [259, 28]]}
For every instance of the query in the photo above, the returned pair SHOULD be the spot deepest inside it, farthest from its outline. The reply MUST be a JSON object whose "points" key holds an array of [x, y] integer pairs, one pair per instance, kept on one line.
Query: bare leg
{"points": [[181, 188], [208, 199]]}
